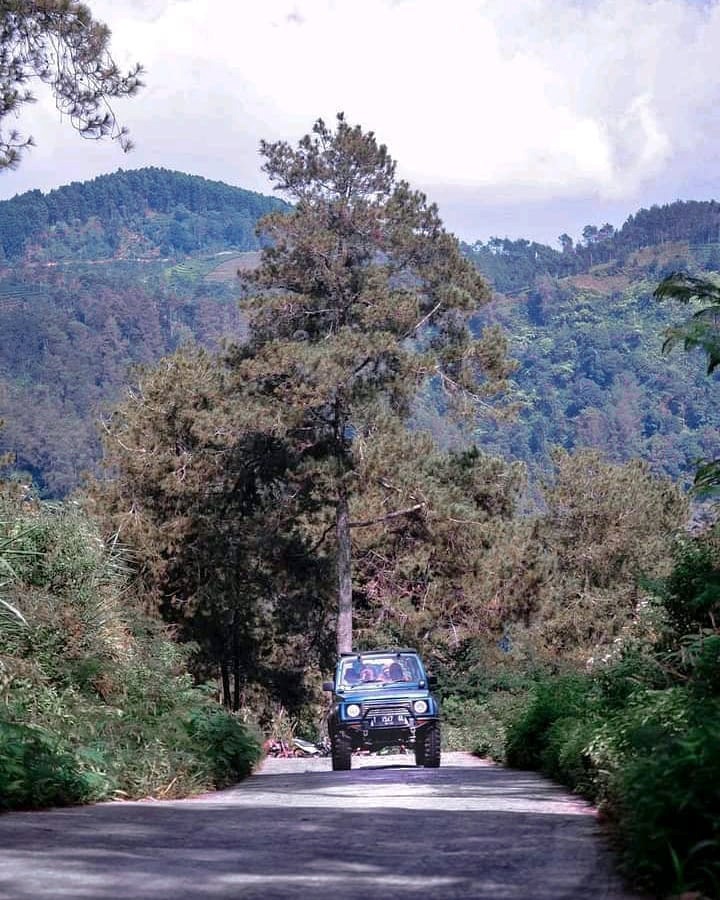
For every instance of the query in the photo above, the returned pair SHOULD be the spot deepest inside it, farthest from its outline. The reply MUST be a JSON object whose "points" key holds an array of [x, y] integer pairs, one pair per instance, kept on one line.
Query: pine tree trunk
{"points": [[344, 619], [225, 682], [236, 664]]}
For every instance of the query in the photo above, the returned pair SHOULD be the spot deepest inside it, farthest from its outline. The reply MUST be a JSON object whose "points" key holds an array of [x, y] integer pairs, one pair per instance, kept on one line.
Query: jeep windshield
{"points": [[377, 671]]}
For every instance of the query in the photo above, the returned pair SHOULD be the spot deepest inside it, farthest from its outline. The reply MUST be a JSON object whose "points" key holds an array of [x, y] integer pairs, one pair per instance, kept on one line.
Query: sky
{"points": [[520, 118]]}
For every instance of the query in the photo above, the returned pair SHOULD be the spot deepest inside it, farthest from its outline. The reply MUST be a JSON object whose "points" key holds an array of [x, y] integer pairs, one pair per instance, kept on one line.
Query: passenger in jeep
{"points": [[353, 676], [395, 672]]}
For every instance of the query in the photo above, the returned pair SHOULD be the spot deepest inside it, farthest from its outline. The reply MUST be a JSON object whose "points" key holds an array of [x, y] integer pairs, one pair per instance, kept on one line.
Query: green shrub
{"points": [[37, 769], [703, 651], [639, 735], [634, 668], [231, 750], [478, 705], [669, 808], [691, 595], [649, 755], [565, 754], [550, 701], [473, 725]]}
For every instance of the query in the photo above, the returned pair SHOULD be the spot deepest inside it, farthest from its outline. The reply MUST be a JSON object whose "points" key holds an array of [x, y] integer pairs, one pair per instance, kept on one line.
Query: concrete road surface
{"points": [[298, 830]]}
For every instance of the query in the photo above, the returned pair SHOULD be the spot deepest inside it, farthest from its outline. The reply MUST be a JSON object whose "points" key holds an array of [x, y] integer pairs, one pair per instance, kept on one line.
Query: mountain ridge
{"points": [[162, 212], [115, 285]]}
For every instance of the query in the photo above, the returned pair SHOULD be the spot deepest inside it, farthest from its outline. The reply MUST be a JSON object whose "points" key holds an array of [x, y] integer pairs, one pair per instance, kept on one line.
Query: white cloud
{"points": [[535, 98]]}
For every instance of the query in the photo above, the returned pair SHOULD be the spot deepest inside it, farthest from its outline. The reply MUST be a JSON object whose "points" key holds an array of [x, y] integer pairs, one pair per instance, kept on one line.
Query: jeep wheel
{"points": [[419, 752], [341, 752], [430, 747]]}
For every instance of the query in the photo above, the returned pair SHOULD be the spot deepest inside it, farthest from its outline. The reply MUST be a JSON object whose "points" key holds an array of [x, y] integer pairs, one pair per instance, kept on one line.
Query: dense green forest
{"points": [[70, 337], [592, 372], [142, 213], [93, 292], [587, 334], [513, 265]]}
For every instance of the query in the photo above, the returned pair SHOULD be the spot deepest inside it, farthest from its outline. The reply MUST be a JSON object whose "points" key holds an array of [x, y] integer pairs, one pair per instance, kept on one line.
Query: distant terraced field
{"points": [[227, 270], [13, 294], [191, 268]]}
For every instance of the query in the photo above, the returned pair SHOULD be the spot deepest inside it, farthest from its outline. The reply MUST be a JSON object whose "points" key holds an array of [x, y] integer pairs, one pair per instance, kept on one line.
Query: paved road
{"points": [[298, 830]]}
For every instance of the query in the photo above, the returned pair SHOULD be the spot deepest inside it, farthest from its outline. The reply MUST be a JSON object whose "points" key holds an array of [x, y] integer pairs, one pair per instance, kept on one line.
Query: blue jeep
{"points": [[381, 698]]}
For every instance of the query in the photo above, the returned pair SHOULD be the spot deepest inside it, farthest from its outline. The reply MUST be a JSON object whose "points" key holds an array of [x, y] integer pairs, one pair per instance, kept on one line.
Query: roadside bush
{"points": [[38, 769], [531, 742], [95, 698], [648, 756], [668, 814], [230, 749], [691, 595], [481, 688], [565, 754], [474, 725], [632, 665]]}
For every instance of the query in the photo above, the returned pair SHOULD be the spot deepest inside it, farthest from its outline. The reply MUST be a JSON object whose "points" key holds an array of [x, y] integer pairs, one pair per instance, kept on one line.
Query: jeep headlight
{"points": [[352, 710], [420, 706]]}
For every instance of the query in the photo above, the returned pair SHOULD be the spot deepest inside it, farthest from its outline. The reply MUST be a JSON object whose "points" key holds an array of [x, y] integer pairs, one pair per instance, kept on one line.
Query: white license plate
{"points": [[384, 721]]}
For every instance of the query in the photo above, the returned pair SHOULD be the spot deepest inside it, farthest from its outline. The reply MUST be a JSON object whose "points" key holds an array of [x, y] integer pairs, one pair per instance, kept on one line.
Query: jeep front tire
{"points": [[341, 752], [429, 747]]}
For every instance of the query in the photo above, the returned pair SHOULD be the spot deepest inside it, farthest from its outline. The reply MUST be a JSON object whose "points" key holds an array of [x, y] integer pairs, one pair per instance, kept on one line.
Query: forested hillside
{"points": [[97, 279], [588, 336], [123, 269], [143, 213], [514, 265]]}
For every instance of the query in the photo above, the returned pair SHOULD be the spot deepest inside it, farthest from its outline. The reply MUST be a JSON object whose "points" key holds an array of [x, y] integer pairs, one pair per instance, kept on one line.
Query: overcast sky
{"points": [[524, 118]]}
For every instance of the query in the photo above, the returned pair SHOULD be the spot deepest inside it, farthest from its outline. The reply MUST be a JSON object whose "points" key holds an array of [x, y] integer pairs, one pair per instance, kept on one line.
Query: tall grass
{"points": [[95, 698]]}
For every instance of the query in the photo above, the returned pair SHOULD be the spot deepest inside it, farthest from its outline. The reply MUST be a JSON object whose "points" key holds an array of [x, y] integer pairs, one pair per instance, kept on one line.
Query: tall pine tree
{"points": [[361, 298]]}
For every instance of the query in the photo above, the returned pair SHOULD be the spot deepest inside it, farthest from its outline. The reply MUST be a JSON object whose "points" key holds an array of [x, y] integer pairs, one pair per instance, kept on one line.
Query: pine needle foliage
{"points": [[361, 297], [607, 531], [60, 43], [212, 508]]}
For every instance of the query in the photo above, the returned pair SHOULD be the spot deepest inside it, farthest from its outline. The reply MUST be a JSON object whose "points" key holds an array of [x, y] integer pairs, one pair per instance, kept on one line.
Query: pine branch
{"points": [[393, 515]]}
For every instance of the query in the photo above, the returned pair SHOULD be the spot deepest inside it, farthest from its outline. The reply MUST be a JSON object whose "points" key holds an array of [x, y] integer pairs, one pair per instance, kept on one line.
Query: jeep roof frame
{"points": [[391, 651]]}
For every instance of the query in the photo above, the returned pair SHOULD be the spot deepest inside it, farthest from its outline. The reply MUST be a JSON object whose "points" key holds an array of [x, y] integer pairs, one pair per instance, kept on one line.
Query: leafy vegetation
{"points": [[591, 374], [95, 698], [698, 331], [639, 735]]}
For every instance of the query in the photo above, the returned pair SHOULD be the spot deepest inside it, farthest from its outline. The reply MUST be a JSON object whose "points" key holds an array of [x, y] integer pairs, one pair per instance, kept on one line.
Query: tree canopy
{"points": [[250, 481]]}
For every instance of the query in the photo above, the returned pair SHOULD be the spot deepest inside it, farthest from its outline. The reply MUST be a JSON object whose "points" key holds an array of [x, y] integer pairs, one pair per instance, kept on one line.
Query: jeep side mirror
{"points": [[328, 686], [432, 681]]}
